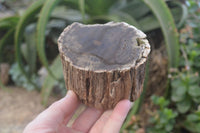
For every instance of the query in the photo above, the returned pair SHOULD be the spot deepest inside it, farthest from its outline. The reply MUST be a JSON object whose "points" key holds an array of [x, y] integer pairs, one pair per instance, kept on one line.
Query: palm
{"points": [[57, 116]]}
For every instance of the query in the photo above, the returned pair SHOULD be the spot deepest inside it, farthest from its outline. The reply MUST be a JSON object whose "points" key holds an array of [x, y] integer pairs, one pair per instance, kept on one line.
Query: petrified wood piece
{"points": [[104, 63]]}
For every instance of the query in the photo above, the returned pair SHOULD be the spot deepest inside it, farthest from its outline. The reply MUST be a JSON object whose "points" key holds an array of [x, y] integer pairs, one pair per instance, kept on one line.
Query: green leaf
{"points": [[149, 23], [176, 82], [30, 38], [65, 14], [8, 36], [196, 99], [170, 113], [27, 17], [192, 126], [74, 4], [122, 16], [136, 8], [8, 22], [98, 7], [194, 79], [49, 81], [194, 91], [178, 93], [193, 118], [163, 102], [41, 28], [154, 98], [82, 8], [184, 15], [163, 118], [184, 105], [168, 27], [176, 12], [169, 127]]}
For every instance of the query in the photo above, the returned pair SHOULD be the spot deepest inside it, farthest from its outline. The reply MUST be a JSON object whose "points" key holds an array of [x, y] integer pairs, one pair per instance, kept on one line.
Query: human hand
{"points": [[55, 118]]}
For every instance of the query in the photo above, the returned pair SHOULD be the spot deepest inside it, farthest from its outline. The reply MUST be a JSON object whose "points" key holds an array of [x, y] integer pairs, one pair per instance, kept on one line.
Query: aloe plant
{"points": [[8, 22], [82, 8], [41, 27], [49, 81], [4, 39], [23, 22], [164, 16], [29, 49]]}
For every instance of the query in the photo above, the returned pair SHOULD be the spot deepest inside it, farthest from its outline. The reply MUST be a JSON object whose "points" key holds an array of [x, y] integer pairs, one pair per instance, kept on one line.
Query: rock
{"points": [[104, 63], [4, 73]]}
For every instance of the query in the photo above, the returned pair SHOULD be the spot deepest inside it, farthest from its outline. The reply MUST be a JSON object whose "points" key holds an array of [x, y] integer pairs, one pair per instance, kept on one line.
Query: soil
{"points": [[18, 107]]}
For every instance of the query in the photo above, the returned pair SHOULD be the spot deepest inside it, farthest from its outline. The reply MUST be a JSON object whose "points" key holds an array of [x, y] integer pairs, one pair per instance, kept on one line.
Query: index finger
{"points": [[59, 111]]}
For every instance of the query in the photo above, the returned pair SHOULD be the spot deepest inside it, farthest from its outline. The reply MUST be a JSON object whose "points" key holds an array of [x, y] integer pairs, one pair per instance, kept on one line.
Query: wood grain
{"points": [[104, 63]]}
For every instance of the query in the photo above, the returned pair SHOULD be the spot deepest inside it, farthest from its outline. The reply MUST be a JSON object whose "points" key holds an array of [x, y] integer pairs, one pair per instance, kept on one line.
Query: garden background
{"points": [[31, 71]]}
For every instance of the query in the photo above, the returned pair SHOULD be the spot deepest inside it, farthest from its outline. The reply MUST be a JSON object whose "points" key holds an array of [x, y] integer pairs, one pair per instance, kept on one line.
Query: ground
{"points": [[18, 107]]}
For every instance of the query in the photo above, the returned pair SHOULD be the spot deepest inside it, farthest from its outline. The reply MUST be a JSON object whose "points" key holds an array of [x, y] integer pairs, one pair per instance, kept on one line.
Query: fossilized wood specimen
{"points": [[104, 63]]}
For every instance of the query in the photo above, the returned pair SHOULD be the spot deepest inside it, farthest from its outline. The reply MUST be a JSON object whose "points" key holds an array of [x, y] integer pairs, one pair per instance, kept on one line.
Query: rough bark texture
{"points": [[102, 80]]}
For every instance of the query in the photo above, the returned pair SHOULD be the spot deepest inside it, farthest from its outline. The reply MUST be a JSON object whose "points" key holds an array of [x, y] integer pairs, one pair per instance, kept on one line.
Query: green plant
{"points": [[23, 22], [194, 18], [165, 20], [7, 25], [49, 81], [41, 28], [163, 120], [28, 48], [21, 80], [192, 122], [45, 14], [185, 87], [168, 27], [184, 94]]}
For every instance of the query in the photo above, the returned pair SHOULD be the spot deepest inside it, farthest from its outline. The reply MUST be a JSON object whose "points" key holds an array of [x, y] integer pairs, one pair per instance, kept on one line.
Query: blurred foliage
{"points": [[29, 36], [164, 118], [184, 96], [20, 79], [194, 17], [165, 18], [47, 19]]}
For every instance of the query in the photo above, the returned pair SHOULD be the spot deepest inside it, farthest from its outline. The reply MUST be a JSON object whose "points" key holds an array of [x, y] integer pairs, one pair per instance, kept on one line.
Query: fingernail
{"points": [[128, 103]]}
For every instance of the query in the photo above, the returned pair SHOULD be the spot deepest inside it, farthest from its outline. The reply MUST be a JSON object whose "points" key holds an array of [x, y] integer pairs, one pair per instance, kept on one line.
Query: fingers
{"points": [[64, 129], [112, 120], [63, 108], [98, 126], [86, 120], [57, 112], [117, 117]]}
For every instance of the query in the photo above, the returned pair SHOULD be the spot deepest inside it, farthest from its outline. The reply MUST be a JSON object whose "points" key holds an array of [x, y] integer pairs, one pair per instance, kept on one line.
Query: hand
{"points": [[55, 118]]}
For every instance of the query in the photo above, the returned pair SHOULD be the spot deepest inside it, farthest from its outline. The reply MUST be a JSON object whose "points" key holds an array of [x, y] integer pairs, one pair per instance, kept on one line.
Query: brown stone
{"points": [[104, 63], [4, 73]]}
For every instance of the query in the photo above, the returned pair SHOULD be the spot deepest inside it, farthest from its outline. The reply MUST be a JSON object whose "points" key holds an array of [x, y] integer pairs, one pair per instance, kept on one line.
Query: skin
{"points": [[55, 118]]}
